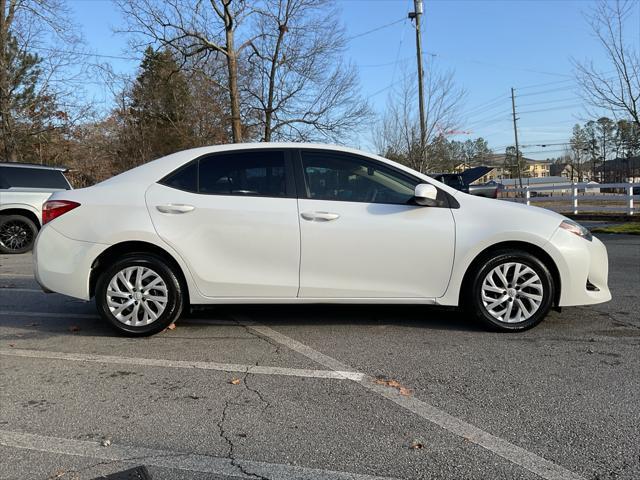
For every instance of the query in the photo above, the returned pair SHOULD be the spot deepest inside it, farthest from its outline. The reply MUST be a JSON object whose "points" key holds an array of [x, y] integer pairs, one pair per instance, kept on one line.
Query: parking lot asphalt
{"points": [[339, 392]]}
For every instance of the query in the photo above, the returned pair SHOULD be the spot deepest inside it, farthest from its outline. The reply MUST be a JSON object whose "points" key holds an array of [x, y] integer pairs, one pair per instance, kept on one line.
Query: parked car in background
{"points": [[452, 179], [23, 190], [307, 223], [456, 180], [487, 190]]}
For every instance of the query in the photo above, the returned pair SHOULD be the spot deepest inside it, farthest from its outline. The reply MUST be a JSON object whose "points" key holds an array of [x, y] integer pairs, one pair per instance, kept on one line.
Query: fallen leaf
{"points": [[416, 445], [106, 441], [74, 328], [12, 345], [405, 391], [58, 474], [394, 384], [235, 381], [172, 326]]}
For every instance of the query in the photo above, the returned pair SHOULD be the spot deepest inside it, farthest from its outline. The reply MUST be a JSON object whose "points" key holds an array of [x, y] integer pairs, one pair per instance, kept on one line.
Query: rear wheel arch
{"points": [[119, 250], [22, 212], [492, 250]]}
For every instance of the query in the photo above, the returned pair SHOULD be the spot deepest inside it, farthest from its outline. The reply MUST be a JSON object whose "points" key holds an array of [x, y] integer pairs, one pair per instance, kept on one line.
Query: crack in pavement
{"points": [[265, 404]]}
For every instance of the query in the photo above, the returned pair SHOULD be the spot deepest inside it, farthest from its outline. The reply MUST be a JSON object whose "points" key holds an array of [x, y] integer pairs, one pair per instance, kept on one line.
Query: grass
{"points": [[629, 228]]}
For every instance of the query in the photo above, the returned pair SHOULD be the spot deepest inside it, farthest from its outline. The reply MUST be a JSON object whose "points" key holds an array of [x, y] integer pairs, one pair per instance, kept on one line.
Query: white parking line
{"points": [[528, 460], [157, 362], [237, 468], [17, 275]]}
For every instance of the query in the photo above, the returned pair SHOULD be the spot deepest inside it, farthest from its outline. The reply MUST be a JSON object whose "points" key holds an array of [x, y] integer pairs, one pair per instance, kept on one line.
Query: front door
{"points": [[363, 237]]}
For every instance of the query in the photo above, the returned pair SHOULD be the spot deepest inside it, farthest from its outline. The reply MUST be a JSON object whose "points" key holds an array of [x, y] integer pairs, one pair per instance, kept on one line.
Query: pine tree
{"points": [[26, 112], [158, 109]]}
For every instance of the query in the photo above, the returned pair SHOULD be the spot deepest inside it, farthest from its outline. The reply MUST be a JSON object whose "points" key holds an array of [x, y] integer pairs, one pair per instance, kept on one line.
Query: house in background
{"points": [[497, 170], [619, 170], [568, 171]]}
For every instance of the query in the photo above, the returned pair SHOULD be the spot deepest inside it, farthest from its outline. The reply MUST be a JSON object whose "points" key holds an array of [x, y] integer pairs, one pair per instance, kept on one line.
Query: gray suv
{"points": [[23, 189]]}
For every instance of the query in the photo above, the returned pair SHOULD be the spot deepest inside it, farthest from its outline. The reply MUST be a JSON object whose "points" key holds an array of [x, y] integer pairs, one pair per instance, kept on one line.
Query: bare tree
{"points": [[197, 31], [39, 73], [300, 89], [398, 133], [618, 90]]}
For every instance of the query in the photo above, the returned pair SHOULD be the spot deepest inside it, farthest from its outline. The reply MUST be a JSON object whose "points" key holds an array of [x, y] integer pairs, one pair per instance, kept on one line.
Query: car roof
{"points": [[32, 165], [163, 166]]}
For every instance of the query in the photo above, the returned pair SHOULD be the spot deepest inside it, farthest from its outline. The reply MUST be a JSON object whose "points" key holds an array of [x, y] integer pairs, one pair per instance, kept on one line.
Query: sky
{"points": [[491, 45]]}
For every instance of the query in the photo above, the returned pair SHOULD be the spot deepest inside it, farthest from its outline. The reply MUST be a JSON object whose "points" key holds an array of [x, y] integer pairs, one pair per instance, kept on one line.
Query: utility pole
{"points": [[515, 132], [415, 15]]}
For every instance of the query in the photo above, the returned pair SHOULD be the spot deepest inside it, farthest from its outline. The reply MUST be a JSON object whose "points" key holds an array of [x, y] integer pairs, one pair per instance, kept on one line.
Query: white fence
{"points": [[579, 197]]}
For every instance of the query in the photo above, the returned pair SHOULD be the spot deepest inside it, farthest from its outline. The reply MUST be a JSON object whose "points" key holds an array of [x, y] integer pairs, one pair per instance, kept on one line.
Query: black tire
{"points": [[17, 234], [474, 295], [175, 295]]}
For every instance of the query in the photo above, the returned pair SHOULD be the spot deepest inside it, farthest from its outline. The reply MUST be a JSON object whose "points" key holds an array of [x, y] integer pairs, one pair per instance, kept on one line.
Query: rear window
{"points": [[20, 177], [248, 173]]}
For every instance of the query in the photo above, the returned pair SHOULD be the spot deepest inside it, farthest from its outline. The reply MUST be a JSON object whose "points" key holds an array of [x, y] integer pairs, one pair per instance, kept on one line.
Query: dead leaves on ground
{"points": [[416, 445], [170, 327], [394, 384], [235, 381]]}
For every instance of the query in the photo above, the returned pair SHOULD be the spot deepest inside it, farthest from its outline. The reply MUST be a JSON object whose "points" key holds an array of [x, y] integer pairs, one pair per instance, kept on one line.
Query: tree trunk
{"points": [[4, 88], [268, 114], [232, 65]]}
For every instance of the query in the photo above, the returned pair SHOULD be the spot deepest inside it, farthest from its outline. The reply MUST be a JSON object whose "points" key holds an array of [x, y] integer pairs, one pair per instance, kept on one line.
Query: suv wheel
{"points": [[139, 295], [17, 234], [511, 291]]}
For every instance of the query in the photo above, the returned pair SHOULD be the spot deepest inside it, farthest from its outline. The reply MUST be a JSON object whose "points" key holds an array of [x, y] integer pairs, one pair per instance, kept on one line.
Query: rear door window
{"points": [[249, 173], [25, 177]]}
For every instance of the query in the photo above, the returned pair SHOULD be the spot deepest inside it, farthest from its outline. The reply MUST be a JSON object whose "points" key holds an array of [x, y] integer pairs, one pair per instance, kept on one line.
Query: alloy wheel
{"points": [[137, 296], [512, 292], [15, 235]]}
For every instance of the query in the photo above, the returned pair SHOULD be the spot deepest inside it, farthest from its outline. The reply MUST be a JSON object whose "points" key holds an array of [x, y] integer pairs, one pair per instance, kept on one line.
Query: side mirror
{"points": [[426, 194]]}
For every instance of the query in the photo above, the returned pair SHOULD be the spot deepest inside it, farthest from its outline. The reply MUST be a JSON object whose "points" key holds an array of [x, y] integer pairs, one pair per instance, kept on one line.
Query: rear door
{"points": [[363, 236], [233, 218]]}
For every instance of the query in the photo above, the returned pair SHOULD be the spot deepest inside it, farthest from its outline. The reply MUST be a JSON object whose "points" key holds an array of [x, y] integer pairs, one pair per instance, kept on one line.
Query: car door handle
{"points": [[319, 216], [175, 208]]}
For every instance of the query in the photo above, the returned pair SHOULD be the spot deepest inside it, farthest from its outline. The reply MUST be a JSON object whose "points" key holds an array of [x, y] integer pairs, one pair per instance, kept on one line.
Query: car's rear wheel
{"points": [[140, 294], [17, 234], [511, 291]]}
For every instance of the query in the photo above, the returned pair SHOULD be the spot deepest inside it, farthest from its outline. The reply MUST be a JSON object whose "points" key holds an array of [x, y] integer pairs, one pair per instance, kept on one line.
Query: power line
{"points": [[362, 34], [549, 101], [536, 85], [503, 67], [488, 120], [547, 91], [486, 108], [86, 54], [561, 107]]}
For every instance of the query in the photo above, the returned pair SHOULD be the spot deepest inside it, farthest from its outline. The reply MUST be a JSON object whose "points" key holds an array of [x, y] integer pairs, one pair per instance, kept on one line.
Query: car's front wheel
{"points": [[140, 294], [511, 291]]}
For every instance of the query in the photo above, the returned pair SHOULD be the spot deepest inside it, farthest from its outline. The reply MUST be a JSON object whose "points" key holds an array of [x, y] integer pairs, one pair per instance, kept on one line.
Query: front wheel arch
{"points": [[491, 251]]}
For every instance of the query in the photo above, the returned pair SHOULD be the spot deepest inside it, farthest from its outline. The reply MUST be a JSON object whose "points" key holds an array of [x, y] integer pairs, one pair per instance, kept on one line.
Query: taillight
{"points": [[54, 208]]}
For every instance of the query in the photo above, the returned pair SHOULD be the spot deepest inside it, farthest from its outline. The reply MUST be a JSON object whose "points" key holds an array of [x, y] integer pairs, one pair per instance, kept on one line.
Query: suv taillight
{"points": [[54, 208]]}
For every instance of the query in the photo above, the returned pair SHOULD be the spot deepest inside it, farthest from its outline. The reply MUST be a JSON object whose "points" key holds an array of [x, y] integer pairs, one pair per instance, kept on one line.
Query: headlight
{"points": [[576, 229]]}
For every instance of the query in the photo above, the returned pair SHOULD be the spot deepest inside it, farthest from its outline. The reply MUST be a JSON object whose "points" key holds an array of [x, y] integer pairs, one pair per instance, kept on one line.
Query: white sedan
{"points": [[307, 223]]}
